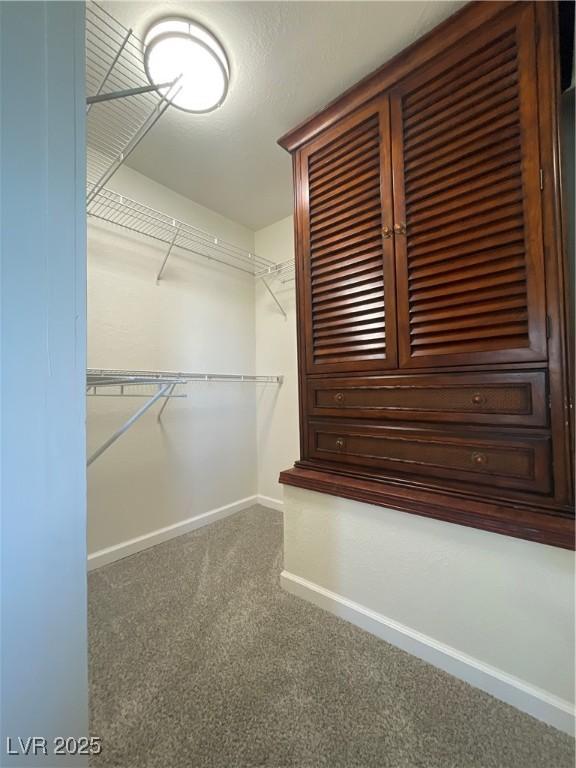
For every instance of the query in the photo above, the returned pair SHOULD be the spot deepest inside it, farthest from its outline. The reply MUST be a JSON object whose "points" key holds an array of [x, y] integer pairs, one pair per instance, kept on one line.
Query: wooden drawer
{"points": [[504, 460], [516, 398]]}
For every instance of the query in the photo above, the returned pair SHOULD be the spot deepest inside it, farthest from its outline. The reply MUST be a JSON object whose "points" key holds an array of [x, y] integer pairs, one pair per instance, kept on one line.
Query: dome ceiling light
{"points": [[182, 48]]}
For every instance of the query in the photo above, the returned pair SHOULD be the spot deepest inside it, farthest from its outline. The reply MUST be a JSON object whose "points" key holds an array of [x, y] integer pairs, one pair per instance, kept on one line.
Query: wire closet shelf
{"points": [[153, 386], [285, 270], [124, 212], [106, 377], [122, 106]]}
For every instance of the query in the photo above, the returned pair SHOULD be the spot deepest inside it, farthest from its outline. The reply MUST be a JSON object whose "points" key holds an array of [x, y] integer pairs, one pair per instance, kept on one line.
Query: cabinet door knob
{"points": [[479, 459], [339, 397], [477, 398], [386, 232], [400, 229], [339, 443]]}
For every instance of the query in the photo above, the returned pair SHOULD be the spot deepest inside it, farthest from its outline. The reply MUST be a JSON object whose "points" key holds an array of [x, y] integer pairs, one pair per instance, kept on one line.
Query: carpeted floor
{"points": [[200, 660]]}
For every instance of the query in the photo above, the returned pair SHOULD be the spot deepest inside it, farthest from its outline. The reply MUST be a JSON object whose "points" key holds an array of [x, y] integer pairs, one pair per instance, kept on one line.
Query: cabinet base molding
{"points": [[522, 521]]}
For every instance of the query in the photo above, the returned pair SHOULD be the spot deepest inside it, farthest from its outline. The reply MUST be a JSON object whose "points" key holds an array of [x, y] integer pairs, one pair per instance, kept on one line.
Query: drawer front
{"points": [[503, 461], [478, 398]]}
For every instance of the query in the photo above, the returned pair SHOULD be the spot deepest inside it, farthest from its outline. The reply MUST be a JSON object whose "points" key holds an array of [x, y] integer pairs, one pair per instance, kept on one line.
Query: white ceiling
{"points": [[288, 59]]}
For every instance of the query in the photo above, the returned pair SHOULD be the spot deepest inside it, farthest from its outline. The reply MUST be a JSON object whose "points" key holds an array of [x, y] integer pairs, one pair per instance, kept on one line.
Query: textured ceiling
{"points": [[288, 59]]}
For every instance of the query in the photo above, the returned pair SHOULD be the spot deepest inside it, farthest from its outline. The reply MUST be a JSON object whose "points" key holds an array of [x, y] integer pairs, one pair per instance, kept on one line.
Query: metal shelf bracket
{"points": [[284, 270], [271, 292], [168, 252], [163, 391]]}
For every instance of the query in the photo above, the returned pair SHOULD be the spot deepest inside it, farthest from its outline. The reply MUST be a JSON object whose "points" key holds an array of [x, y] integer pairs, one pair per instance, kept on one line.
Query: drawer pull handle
{"points": [[339, 443], [339, 397], [480, 459], [478, 399]]}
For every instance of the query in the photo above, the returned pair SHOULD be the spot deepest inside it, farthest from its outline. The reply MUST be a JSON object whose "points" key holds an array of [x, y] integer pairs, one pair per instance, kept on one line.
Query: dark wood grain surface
{"points": [[349, 270], [431, 294]]}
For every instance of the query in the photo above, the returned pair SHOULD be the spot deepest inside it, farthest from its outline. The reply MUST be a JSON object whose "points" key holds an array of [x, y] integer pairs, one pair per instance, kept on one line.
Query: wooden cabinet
{"points": [[431, 302]]}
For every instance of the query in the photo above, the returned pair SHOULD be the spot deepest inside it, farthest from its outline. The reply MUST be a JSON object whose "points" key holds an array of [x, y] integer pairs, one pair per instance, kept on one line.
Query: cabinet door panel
{"points": [[469, 254], [346, 258]]}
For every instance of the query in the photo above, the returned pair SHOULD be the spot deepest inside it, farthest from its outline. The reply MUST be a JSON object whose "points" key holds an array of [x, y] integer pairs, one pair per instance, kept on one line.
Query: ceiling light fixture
{"points": [[180, 47]]}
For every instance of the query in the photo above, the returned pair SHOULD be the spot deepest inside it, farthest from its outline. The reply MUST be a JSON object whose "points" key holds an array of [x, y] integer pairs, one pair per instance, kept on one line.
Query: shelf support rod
{"points": [[155, 115], [165, 403], [271, 292], [97, 98], [109, 70], [168, 252], [119, 432]]}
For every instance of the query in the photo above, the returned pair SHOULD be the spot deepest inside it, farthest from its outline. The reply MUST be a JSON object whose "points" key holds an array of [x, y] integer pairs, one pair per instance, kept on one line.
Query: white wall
{"points": [[498, 603], [200, 318], [504, 603], [43, 688], [278, 440]]}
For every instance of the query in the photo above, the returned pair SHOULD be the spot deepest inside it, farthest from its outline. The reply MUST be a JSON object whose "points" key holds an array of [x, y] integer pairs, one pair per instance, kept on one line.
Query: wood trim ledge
{"points": [[529, 523]]}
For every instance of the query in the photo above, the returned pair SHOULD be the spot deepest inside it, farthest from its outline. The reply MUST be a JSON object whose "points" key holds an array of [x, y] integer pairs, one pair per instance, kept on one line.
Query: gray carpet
{"points": [[200, 660]]}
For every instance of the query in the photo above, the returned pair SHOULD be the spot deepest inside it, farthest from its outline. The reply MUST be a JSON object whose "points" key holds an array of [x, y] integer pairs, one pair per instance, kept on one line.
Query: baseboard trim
{"points": [[268, 501], [530, 699], [130, 547]]}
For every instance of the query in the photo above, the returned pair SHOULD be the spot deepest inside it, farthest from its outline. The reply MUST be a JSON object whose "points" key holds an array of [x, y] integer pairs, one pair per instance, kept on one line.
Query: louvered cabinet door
{"points": [[345, 252], [468, 241]]}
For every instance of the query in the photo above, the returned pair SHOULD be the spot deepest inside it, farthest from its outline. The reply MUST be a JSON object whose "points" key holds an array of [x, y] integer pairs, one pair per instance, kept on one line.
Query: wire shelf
{"points": [[114, 62], [116, 123], [121, 210], [153, 386], [284, 270], [111, 377], [111, 383]]}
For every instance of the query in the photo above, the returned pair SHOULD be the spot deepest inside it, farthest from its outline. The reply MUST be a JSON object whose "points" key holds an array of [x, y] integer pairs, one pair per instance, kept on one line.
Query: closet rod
{"points": [[122, 392]]}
